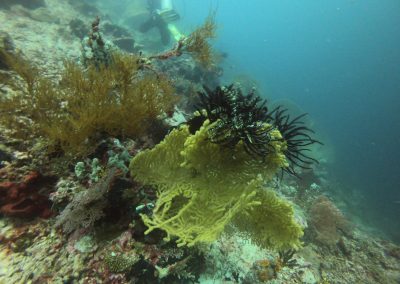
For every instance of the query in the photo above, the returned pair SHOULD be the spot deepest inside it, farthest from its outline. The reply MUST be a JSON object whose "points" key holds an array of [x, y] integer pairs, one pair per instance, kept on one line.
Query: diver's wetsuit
{"points": [[157, 21]]}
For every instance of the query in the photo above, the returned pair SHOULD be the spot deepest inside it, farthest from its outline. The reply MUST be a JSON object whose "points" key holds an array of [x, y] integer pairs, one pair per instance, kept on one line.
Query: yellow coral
{"points": [[271, 224], [203, 186]]}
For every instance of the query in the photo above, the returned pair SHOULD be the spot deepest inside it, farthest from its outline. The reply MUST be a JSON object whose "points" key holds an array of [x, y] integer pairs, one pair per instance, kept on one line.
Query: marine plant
{"points": [[119, 100], [115, 94], [196, 44], [285, 258]]}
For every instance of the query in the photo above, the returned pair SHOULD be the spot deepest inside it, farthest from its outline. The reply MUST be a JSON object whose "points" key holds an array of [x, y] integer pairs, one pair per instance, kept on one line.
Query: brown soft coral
{"points": [[118, 100], [327, 221], [23, 199], [197, 42]]}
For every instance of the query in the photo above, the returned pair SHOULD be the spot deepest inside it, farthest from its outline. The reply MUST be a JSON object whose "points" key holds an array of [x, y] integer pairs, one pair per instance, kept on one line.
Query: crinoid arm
{"points": [[298, 138], [236, 117]]}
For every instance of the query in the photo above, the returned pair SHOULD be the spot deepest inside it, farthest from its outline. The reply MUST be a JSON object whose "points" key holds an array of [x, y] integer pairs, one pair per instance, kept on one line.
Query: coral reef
{"points": [[234, 130], [78, 28], [24, 199], [121, 262], [96, 50], [85, 8], [327, 221], [31, 4], [267, 269], [65, 191], [86, 206], [203, 186], [87, 104], [209, 186], [6, 155], [271, 224], [237, 118], [297, 137], [121, 37], [246, 118], [6, 48], [43, 257], [189, 79], [286, 258], [195, 44], [93, 172], [236, 259], [118, 157]]}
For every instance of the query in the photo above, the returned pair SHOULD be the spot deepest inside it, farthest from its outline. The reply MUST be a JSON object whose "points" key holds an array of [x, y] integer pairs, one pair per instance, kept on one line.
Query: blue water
{"points": [[338, 60]]}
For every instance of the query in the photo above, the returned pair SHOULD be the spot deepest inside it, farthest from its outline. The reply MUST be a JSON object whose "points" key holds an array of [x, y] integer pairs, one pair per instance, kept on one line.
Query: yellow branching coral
{"points": [[270, 224], [116, 100], [214, 161], [203, 186]]}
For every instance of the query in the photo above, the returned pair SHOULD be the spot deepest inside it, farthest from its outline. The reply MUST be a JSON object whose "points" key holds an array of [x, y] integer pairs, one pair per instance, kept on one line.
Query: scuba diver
{"points": [[162, 14]]}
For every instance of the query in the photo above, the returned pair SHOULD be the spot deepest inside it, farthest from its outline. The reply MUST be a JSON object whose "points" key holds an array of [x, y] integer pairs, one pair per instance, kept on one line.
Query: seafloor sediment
{"points": [[34, 249]]}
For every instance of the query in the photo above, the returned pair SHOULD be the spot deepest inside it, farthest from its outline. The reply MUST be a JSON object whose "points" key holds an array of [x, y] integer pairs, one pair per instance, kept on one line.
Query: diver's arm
{"points": [[167, 12]]}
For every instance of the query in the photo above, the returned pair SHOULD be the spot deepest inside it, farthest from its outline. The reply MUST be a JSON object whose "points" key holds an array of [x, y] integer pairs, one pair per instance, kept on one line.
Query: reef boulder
{"points": [[31, 4], [25, 199]]}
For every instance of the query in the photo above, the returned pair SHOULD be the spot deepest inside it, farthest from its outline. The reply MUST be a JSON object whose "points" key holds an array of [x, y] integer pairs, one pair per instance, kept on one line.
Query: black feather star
{"points": [[297, 137], [237, 118]]}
